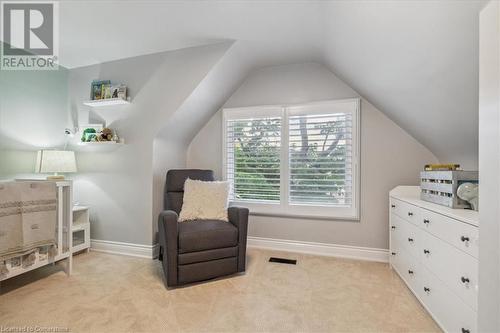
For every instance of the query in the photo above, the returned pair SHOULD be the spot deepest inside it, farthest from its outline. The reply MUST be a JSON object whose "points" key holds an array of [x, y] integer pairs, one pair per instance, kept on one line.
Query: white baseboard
{"points": [[128, 249], [322, 249]]}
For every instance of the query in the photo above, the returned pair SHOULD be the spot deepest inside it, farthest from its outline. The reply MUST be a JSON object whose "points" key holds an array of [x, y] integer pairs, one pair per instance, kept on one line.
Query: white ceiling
{"points": [[97, 31], [417, 61]]}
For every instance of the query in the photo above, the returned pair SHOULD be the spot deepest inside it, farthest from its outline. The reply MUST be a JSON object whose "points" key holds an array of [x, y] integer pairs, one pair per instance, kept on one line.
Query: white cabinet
{"points": [[434, 249], [81, 229]]}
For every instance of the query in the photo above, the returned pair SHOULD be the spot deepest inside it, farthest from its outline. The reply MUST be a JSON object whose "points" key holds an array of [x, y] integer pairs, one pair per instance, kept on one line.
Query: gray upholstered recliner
{"points": [[199, 250]]}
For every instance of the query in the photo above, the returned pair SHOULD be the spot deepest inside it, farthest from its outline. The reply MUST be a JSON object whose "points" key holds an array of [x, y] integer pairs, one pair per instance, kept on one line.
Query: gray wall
{"points": [[33, 115], [389, 156], [118, 185], [416, 61], [173, 94], [171, 143], [489, 170]]}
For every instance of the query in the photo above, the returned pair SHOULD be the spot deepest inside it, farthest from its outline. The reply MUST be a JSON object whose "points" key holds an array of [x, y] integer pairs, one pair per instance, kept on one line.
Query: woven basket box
{"points": [[440, 187]]}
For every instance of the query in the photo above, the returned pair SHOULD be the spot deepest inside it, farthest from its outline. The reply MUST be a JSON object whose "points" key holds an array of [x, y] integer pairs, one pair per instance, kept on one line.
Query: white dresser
{"points": [[435, 251]]}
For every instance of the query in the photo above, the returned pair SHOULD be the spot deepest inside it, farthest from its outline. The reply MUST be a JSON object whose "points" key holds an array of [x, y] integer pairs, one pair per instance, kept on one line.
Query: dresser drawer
{"points": [[395, 244], [450, 312], [397, 255], [410, 269], [459, 234], [458, 270], [409, 236], [405, 210], [395, 229]]}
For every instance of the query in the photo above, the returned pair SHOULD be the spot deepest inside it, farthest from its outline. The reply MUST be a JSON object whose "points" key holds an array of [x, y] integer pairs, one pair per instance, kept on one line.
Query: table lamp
{"points": [[55, 161]]}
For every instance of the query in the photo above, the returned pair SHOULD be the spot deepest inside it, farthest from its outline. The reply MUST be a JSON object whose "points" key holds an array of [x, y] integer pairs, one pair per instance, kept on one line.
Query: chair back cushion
{"points": [[174, 187], [205, 200]]}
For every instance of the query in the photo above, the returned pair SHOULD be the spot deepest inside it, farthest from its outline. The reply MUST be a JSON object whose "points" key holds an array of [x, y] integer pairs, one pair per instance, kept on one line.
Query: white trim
{"points": [[284, 163], [323, 107], [127, 249], [321, 249], [252, 112]]}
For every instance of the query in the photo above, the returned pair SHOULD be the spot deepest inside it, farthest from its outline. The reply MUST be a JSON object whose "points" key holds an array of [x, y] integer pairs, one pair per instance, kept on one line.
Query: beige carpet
{"points": [[111, 293]]}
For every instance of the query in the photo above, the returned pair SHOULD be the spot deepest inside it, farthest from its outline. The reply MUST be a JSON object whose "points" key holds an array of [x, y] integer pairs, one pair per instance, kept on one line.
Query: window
{"points": [[300, 160], [253, 158]]}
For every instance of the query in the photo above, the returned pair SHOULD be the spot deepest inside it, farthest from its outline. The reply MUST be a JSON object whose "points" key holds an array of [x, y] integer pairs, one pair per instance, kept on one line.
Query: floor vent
{"points": [[283, 261]]}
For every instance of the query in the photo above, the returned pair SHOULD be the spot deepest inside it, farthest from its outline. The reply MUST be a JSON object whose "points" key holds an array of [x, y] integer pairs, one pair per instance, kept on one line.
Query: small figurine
{"points": [[106, 134]]}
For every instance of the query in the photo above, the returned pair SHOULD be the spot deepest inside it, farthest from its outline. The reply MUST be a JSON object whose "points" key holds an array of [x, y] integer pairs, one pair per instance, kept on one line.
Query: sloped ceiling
{"points": [[417, 61], [98, 31]]}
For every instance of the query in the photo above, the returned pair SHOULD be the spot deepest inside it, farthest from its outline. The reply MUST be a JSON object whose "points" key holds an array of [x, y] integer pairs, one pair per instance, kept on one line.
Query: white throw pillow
{"points": [[205, 200]]}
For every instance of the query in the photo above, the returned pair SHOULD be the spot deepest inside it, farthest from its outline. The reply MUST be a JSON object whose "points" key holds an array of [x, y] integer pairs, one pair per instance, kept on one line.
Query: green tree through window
{"points": [[256, 146]]}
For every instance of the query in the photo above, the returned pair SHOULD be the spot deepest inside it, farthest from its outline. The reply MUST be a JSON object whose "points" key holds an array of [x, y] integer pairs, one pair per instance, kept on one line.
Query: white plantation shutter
{"points": [[253, 149], [320, 159], [300, 160]]}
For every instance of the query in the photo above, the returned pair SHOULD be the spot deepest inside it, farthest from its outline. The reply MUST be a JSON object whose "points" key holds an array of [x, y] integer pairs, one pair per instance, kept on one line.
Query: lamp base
{"points": [[55, 177]]}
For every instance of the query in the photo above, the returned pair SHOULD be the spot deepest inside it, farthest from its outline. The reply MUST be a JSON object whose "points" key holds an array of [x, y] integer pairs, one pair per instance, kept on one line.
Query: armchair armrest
{"points": [[238, 216], [168, 238]]}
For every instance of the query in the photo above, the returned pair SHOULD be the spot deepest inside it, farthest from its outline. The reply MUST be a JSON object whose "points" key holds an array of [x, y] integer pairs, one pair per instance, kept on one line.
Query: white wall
{"points": [[489, 169], [389, 156], [118, 185]]}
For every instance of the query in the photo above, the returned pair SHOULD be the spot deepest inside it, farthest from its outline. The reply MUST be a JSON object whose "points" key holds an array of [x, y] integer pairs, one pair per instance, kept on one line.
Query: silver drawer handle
{"points": [[464, 330], [464, 239], [427, 251], [426, 221], [427, 290], [410, 214], [464, 280], [410, 239]]}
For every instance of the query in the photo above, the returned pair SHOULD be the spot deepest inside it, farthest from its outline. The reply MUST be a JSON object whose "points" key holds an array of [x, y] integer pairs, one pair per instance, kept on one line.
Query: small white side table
{"points": [[81, 229]]}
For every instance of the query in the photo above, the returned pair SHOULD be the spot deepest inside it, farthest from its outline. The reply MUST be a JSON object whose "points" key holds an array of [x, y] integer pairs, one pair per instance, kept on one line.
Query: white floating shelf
{"points": [[106, 102], [98, 146]]}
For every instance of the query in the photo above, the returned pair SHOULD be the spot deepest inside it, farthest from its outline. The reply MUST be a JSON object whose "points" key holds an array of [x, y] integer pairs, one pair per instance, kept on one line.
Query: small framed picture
{"points": [[106, 91], [96, 91], [122, 92], [114, 91]]}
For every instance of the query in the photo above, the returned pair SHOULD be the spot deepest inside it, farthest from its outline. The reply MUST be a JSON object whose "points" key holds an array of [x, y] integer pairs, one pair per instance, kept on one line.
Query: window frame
{"points": [[284, 207]]}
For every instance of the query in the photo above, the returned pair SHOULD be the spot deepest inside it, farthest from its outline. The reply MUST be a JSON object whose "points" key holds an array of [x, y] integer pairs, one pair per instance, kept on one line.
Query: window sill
{"points": [[305, 216], [297, 212]]}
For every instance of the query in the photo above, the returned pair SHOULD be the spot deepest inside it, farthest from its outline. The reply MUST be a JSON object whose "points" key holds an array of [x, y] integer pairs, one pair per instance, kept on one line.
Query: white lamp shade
{"points": [[48, 161]]}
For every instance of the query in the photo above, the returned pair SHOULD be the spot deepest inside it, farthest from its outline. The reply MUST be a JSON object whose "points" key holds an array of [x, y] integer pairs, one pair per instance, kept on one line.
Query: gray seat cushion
{"points": [[200, 235]]}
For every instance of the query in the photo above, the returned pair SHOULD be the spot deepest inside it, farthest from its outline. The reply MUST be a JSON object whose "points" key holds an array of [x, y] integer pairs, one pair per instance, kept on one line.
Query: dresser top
{"points": [[411, 195]]}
